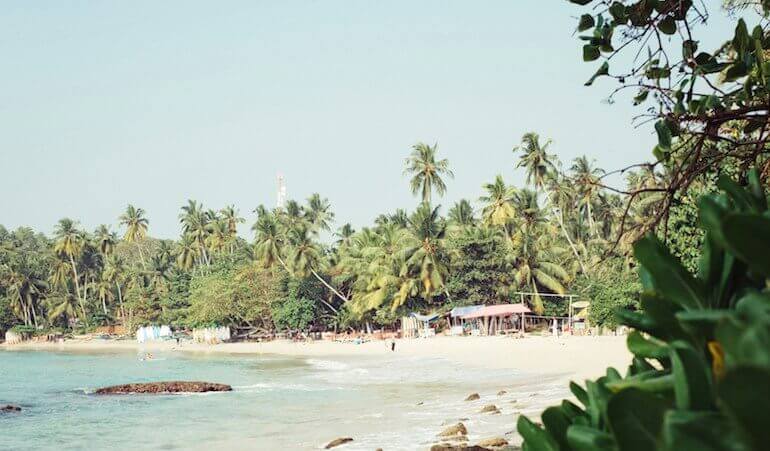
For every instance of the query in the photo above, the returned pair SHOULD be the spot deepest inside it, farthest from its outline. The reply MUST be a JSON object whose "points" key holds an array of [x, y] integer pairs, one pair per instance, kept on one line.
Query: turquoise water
{"points": [[277, 403]]}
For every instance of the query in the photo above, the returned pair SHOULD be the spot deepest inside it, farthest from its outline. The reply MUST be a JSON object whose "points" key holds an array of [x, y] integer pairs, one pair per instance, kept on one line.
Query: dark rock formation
{"points": [[338, 442], [472, 397], [10, 408], [163, 388]]}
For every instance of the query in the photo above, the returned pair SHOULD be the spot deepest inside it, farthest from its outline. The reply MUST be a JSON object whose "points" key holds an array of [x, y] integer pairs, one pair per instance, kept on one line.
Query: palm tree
{"points": [[105, 239], [425, 255], [586, 179], [426, 172], [231, 217], [461, 214], [319, 213], [61, 305], [498, 203], [305, 256], [195, 223], [115, 273], [270, 241], [187, 252], [344, 235], [535, 159], [537, 266], [69, 243], [136, 227]]}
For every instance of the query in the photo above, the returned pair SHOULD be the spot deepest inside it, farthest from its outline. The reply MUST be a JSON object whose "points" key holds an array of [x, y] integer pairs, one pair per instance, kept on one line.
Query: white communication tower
{"points": [[281, 191]]}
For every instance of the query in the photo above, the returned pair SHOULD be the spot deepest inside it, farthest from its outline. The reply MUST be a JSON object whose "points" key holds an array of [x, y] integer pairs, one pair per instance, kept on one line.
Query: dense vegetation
{"points": [[542, 238]]}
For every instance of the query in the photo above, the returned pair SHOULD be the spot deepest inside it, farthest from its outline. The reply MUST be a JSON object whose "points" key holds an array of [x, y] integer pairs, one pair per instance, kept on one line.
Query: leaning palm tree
{"points": [[69, 243], [498, 203], [136, 227], [426, 172], [305, 256]]}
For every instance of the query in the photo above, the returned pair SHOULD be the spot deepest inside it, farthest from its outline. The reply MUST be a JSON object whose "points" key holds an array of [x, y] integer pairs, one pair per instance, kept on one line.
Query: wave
{"points": [[327, 365], [265, 386]]}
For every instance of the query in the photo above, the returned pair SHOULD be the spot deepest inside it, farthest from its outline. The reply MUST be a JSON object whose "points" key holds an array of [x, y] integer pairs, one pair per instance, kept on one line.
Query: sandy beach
{"points": [[571, 357]]}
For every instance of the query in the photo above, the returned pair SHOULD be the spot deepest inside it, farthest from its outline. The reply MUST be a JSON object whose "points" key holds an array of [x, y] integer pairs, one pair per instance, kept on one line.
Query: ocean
{"points": [[277, 403]]}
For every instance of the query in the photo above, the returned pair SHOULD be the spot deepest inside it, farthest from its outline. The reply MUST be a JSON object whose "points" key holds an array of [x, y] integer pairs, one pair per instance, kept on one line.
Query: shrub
{"points": [[700, 373]]}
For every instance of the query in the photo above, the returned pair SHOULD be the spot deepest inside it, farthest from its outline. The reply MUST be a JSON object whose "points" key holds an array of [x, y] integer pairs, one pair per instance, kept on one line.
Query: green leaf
{"points": [[646, 347], [672, 280], [748, 237], [692, 378], [745, 396], [603, 70], [586, 22], [667, 25], [707, 431], [586, 438], [618, 12], [641, 97], [653, 382], [590, 52], [736, 70], [534, 437], [664, 135], [579, 393], [636, 419], [580, 2], [556, 423]]}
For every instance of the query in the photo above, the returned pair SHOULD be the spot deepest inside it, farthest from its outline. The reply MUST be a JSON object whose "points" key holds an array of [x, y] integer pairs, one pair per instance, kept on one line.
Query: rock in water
{"points": [[10, 408], [473, 397], [491, 408], [495, 442], [450, 447], [338, 442], [163, 388], [501, 392], [457, 429]]}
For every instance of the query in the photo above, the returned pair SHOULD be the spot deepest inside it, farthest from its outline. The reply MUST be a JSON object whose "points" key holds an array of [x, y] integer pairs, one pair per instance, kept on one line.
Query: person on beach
{"points": [[392, 344]]}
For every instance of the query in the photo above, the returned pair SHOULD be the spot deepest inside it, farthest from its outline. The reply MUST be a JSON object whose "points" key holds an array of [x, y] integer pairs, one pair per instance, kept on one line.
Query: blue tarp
{"points": [[462, 311]]}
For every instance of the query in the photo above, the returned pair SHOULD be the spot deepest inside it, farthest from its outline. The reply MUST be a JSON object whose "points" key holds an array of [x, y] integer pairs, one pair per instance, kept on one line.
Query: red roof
{"points": [[498, 310]]}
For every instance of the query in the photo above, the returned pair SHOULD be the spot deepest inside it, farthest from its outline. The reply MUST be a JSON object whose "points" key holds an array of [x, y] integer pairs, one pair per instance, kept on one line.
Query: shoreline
{"points": [[573, 357]]}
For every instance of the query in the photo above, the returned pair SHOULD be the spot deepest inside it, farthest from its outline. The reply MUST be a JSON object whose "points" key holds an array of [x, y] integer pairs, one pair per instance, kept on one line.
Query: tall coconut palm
{"points": [[61, 304], [195, 223], [136, 227], [115, 272], [344, 235], [498, 203], [426, 172], [69, 243], [187, 252], [586, 178], [535, 159]]}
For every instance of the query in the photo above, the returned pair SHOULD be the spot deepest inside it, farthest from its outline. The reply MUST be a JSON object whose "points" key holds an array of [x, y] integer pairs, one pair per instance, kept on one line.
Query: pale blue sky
{"points": [[152, 103]]}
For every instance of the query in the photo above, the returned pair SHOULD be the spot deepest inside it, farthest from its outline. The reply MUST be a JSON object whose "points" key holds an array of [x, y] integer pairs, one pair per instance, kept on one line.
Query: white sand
{"points": [[571, 357]]}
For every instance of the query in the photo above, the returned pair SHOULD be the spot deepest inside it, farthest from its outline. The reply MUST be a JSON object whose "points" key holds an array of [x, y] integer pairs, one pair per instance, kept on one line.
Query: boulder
{"points": [[163, 388], [451, 447], [501, 392], [495, 442], [473, 397], [490, 408], [338, 442], [10, 408], [457, 429]]}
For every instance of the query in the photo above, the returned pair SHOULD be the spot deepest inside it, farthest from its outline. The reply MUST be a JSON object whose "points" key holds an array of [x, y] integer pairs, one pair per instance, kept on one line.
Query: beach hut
{"points": [[456, 320], [492, 318]]}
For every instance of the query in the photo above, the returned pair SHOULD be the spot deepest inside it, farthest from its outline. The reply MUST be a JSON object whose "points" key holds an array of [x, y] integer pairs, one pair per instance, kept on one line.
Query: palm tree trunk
{"points": [[560, 220], [120, 302], [32, 309], [141, 254], [339, 295], [77, 287]]}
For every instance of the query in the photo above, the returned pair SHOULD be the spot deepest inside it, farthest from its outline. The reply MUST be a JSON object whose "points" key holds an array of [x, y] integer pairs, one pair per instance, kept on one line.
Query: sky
{"points": [[152, 103]]}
